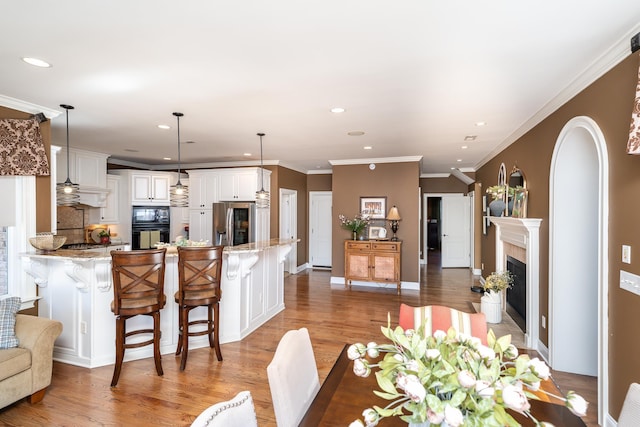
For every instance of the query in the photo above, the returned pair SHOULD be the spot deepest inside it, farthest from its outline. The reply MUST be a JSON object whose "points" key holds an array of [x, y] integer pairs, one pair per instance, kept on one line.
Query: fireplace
{"points": [[520, 238], [517, 294]]}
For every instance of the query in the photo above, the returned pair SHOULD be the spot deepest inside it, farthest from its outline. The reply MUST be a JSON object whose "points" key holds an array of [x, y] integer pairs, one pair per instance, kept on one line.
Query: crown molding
{"points": [[27, 107], [605, 62]]}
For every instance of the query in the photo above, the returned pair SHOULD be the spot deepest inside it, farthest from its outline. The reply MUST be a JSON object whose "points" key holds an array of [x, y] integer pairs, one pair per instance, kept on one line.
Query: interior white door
{"points": [[289, 225], [455, 231], [320, 203]]}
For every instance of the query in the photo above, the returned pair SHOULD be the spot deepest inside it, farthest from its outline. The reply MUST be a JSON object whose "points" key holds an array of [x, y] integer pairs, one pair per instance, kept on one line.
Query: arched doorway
{"points": [[578, 242]]}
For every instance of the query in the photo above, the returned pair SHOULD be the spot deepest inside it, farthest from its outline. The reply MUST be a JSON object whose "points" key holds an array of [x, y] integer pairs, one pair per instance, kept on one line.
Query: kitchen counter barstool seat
{"points": [[199, 276], [138, 287]]}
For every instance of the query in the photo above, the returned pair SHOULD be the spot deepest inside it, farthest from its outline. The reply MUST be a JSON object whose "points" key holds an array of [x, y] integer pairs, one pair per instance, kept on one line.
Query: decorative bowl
{"points": [[47, 241]]}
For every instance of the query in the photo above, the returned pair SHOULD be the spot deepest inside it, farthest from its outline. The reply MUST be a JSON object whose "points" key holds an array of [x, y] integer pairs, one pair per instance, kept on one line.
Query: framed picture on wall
{"points": [[375, 207]]}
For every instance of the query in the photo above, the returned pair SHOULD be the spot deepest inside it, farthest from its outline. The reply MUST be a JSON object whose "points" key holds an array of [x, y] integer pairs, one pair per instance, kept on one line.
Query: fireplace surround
{"points": [[519, 237]]}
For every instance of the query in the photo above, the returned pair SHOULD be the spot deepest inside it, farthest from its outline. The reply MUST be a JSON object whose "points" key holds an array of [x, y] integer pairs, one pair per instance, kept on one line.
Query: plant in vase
{"points": [[495, 283], [355, 225], [451, 379], [105, 237]]}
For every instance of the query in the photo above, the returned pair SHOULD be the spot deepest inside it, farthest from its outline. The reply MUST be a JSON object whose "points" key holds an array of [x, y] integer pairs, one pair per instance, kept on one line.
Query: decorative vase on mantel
{"points": [[496, 207]]}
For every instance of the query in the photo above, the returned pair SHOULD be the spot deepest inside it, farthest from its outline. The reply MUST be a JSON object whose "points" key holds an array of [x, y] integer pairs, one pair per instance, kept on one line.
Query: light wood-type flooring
{"points": [[333, 315]]}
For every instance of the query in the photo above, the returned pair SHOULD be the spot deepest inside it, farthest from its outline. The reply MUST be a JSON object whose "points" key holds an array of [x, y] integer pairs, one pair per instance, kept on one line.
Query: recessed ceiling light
{"points": [[355, 133], [130, 150], [337, 110], [189, 142], [464, 147], [367, 147], [36, 62], [246, 154], [166, 158], [164, 126], [481, 123], [470, 137], [459, 160]]}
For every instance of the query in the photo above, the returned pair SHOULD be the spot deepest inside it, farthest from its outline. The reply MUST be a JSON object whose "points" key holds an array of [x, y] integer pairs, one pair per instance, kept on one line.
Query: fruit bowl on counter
{"points": [[47, 241]]}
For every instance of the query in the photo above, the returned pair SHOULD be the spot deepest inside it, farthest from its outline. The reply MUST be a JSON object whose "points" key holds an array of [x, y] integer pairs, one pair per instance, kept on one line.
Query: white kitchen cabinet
{"points": [[151, 189], [203, 189], [86, 168], [201, 224], [110, 214], [239, 185]]}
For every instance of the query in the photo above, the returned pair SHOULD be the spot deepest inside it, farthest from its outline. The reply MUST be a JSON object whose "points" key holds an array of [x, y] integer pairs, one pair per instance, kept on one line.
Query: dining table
{"points": [[343, 396]]}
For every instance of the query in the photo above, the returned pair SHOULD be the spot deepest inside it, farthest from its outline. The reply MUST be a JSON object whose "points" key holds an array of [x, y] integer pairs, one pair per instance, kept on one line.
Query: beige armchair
{"points": [[26, 370]]}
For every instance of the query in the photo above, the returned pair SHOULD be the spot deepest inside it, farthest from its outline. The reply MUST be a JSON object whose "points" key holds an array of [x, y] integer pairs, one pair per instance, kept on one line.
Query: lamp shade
{"points": [[393, 214]]}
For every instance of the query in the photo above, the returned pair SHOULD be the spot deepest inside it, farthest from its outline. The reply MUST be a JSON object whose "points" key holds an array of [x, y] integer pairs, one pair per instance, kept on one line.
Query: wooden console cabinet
{"points": [[372, 261]]}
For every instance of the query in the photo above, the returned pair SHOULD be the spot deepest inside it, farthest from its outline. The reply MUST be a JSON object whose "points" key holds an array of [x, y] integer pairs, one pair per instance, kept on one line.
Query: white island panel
{"points": [[75, 288]]}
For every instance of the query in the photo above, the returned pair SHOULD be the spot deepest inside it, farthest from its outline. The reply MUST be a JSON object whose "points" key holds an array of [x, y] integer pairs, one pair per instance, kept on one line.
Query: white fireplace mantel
{"points": [[524, 233]]}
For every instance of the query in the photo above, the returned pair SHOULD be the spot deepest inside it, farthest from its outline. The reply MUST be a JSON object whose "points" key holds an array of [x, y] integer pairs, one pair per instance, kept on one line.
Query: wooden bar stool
{"points": [[199, 273], [138, 288]]}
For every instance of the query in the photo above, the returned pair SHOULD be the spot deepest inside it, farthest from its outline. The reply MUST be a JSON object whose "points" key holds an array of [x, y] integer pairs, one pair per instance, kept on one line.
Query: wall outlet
{"points": [[83, 327], [544, 322], [626, 254], [482, 266]]}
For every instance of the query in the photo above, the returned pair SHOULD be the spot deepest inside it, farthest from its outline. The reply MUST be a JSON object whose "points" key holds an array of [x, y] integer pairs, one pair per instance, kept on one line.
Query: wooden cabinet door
{"points": [[385, 267]]}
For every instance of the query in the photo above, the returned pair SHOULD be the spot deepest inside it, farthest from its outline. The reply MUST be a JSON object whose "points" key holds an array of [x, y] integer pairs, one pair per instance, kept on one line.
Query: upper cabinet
{"points": [[207, 186], [203, 189], [147, 188], [86, 168], [241, 184], [151, 189]]}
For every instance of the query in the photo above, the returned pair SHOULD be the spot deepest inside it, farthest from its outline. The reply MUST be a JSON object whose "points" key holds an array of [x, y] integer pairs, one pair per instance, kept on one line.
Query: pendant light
{"points": [[179, 194], [67, 192], [262, 196]]}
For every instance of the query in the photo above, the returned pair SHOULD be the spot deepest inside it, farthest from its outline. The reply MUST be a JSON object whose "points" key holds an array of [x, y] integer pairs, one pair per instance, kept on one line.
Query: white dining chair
{"points": [[237, 412], [293, 377], [630, 414]]}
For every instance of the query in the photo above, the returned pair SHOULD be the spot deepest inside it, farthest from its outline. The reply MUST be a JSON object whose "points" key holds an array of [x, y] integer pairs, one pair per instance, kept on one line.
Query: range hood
{"points": [[93, 196]]}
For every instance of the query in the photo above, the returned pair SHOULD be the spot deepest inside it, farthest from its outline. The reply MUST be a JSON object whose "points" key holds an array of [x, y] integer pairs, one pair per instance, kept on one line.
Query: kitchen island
{"points": [[75, 287]]}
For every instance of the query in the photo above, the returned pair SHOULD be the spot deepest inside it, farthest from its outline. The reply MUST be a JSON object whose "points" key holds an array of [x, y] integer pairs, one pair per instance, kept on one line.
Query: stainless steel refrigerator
{"points": [[234, 223]]}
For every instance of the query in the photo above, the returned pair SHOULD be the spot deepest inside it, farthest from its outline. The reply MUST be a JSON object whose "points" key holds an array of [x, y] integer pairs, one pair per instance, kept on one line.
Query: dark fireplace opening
{"points": [[517, 294]]}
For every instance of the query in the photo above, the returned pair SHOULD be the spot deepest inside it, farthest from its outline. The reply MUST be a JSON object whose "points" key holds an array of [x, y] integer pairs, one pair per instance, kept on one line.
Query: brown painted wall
{"points": [[399, 182], [609, 102], [319, 182]]}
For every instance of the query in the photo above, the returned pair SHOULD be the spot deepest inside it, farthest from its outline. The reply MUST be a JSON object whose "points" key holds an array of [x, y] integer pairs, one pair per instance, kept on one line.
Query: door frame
{"points": [[589, 125], [311, 234], [289, 209]]}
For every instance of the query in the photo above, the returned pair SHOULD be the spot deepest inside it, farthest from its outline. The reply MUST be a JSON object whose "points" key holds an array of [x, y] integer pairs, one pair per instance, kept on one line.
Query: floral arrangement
{"points": [[450, 379], [498, 281], [357, 224]]}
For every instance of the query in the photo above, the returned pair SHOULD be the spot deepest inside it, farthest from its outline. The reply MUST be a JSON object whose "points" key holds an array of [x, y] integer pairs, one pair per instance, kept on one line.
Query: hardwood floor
{"points": [[333, 315]]}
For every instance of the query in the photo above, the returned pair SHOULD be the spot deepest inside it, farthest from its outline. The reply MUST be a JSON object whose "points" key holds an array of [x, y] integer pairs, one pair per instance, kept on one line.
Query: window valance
{"points": [[21, 148]]}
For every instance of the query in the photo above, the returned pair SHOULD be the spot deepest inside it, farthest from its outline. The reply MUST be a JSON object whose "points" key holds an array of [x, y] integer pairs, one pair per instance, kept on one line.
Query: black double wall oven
{"points": [[149, 225]]}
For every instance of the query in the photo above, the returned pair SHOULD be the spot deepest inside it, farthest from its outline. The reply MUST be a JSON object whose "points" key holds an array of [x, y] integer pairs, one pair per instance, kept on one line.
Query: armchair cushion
{"points": [[8, 309]]}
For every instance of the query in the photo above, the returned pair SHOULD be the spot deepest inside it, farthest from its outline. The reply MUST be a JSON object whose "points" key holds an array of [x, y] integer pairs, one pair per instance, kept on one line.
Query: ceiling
{"points": [[414, 75]]}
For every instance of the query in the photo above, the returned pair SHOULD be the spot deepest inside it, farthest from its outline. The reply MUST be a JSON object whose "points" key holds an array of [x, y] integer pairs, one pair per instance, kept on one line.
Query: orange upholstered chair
{"points": [[438, 317]]}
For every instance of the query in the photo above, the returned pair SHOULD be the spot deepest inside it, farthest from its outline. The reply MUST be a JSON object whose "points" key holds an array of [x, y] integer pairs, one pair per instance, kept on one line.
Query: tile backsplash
{"points": [[72, 222]]}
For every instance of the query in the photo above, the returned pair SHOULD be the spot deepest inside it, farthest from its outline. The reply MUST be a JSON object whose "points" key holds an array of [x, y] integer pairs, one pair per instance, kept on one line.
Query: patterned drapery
{"points": [[21, 148], [633, 146]]}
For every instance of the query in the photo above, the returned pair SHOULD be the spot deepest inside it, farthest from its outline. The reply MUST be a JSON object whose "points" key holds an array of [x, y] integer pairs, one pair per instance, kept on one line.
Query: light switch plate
{"points": [[626, 254], [630, 282]]}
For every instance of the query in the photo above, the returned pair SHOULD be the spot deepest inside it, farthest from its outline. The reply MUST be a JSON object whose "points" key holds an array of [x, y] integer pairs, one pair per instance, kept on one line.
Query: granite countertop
{"points": [[171, 251]]}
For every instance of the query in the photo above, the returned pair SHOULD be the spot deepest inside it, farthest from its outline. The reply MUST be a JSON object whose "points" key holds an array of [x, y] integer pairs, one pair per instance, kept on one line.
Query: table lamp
{"points": [[393, 217]]}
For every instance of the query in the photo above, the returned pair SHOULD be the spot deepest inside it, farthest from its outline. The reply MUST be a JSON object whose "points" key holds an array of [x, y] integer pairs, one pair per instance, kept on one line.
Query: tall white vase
{"points": [[491, 306]]}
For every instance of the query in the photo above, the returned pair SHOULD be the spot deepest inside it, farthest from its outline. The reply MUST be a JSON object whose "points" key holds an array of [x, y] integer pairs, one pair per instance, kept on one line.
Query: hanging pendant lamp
{"points": [[179, 193], [67, 192], [262, 196]]}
